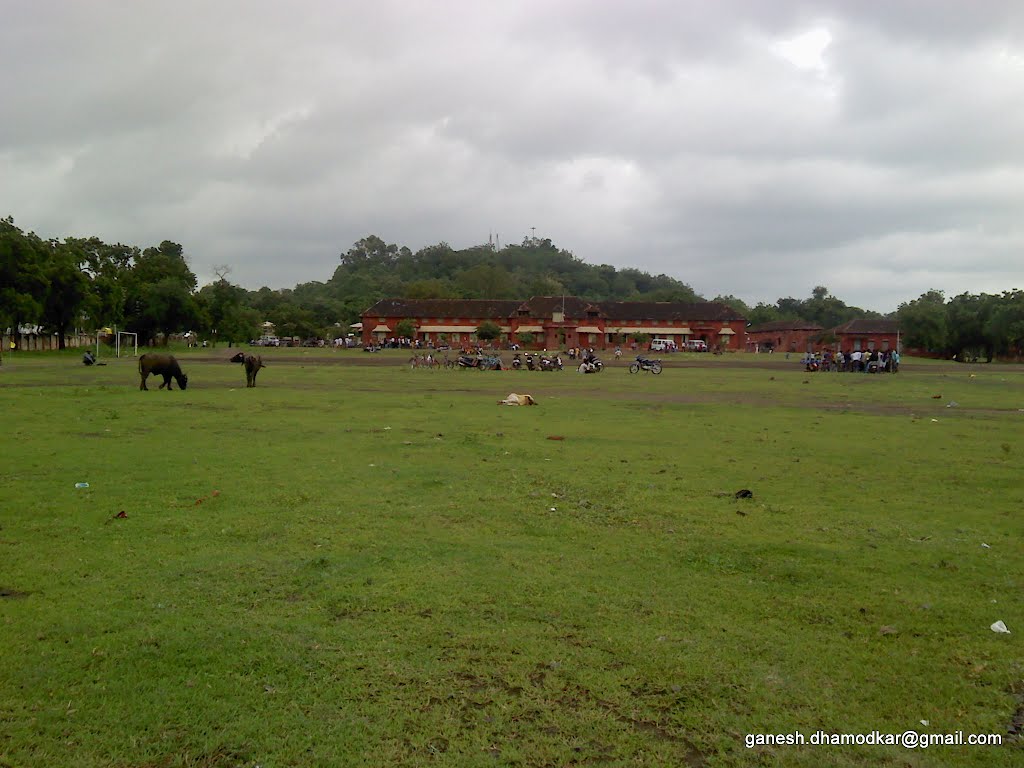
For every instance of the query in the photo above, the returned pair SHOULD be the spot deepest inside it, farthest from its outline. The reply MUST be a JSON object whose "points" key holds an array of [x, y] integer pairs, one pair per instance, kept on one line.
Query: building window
{"points": [[856, 345], [885, 344], [871, 345]]}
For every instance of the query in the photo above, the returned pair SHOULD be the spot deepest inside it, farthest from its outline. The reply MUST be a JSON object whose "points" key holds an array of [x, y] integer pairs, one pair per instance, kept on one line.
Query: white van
{"points": [[663, 345], [696, 345]]}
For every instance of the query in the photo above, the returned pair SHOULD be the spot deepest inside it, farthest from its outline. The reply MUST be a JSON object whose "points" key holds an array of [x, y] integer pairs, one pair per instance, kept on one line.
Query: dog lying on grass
{"points": [[514, 399]]}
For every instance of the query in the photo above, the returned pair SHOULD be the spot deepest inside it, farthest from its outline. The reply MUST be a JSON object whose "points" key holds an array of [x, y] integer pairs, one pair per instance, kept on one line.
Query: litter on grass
{"points": [[1000, 628]]}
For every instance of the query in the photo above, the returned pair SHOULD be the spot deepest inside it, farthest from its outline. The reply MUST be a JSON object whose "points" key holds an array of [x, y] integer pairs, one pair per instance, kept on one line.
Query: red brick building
{"points": [[799, 336], [557, 322], [783, 336], [867, 334]]}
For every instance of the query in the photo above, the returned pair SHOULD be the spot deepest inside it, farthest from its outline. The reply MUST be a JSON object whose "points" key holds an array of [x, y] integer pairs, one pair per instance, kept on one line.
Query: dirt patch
{"points": [[12, 594]]}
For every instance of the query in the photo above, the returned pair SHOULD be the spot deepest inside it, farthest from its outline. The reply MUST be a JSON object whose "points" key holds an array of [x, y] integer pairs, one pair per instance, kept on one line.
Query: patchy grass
{"points": [[367, 565]]}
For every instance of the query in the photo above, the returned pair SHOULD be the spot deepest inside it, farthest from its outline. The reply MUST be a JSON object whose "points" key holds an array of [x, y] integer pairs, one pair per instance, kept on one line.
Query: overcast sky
{"points": [[755, 148]]}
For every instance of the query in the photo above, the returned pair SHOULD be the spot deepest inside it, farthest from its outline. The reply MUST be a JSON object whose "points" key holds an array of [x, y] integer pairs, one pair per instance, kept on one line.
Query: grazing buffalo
{"points": [[161, 365], [252, 364]]}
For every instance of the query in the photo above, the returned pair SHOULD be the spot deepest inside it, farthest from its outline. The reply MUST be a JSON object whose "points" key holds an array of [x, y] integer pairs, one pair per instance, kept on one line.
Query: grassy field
{"points": [[360, 564]]}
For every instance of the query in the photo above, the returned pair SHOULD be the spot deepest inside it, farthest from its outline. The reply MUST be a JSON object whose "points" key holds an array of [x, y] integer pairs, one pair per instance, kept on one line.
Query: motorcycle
{"points": [[530, 363], [468, 361], [645, 364], [516, 362], [551, 363]]}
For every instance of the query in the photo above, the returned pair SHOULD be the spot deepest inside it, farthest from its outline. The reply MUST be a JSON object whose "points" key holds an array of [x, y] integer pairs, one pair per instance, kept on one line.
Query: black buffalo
{"points": [[252, 364], [161, 365]]}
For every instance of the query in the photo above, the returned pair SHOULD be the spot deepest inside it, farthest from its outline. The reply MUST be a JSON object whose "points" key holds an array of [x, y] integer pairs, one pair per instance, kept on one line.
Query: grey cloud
{"points": [[666, 135]]}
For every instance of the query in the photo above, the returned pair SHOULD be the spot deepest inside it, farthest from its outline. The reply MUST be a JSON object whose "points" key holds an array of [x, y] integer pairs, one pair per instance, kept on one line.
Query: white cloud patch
{"points": [[806, 50]]}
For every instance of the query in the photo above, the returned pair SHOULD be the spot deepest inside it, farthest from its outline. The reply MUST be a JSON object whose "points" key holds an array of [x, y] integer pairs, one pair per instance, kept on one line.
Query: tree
{"points": [[23, 282], [429, 289], [239, 324], [223, 305], [370, 249], [967, 317], [291, 319], [69, 291], [670, 289], [763, 313], [109, 267], [405, 329], [790, 308], [488, 331], [923, 322], [167, 307], [159, 297], [545, 285], [165, 261], [1006, 324], [737, 304], [485, 281]]}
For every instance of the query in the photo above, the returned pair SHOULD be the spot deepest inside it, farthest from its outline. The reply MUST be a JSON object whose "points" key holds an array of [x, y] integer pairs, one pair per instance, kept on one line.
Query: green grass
{"points": [[368, 565]]}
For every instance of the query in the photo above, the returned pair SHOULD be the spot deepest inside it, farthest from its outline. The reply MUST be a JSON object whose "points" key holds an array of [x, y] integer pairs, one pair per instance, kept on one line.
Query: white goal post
{"points": [[133, 342]]}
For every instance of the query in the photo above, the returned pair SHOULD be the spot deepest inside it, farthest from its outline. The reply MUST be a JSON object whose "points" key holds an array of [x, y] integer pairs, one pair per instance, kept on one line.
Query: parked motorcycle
{"points": [[530, 362], [516, 362], [468, 361], [645, 364], [551, 363]]}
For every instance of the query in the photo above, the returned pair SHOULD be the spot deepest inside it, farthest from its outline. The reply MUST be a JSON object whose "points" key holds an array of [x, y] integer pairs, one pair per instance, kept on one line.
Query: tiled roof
{"points": [[544, 306], [867, 325], [784, 325], [497, 308], [669, 310]]}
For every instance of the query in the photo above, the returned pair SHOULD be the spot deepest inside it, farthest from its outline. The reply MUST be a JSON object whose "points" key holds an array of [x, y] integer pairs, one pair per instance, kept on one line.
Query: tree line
{"points": [[85, 283], [968, 327]]}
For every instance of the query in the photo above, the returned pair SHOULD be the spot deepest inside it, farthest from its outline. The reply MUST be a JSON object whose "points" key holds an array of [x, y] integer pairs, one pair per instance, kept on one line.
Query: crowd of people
{"points": [[857, 361]]}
